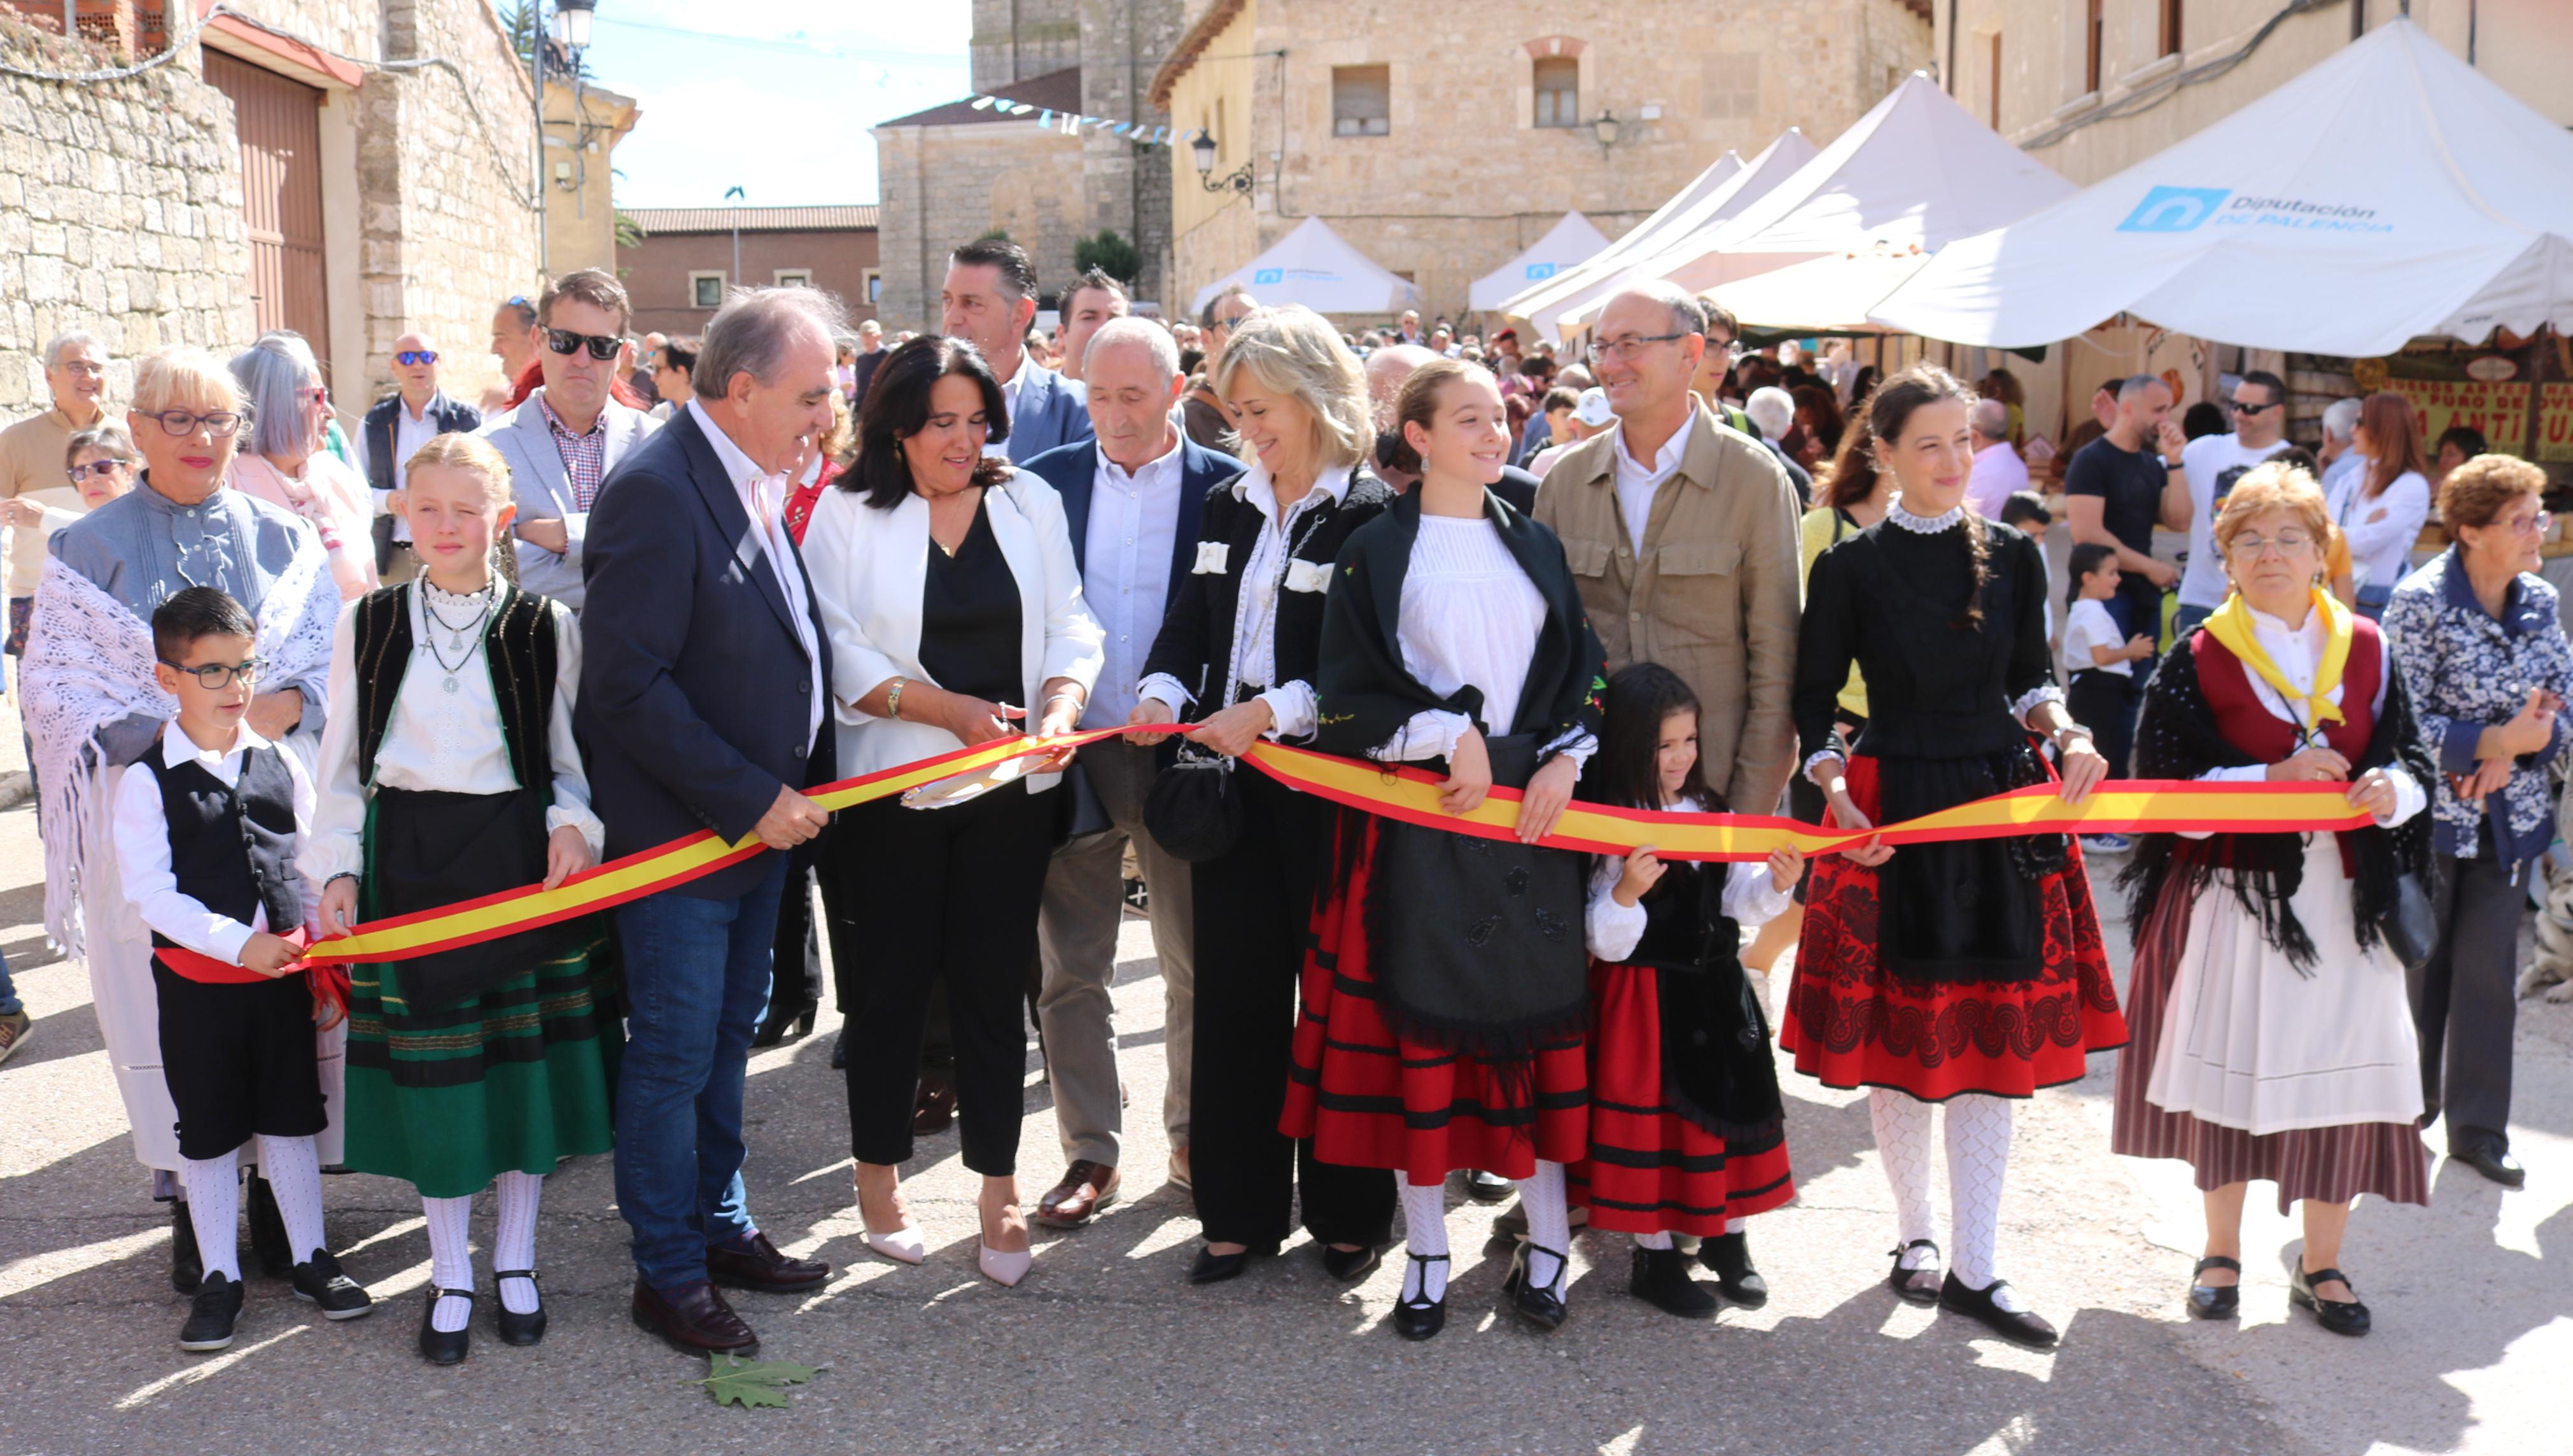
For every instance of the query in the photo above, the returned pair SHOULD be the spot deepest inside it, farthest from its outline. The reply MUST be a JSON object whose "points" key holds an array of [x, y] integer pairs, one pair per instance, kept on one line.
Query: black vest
{"points": [[231, 847], [518, 646], [1685, 927]]}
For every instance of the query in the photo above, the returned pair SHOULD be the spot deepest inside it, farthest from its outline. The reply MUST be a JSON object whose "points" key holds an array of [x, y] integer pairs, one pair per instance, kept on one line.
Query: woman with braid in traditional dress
{"points": [[2273, 1038], [450, 773], [1967, 972]]}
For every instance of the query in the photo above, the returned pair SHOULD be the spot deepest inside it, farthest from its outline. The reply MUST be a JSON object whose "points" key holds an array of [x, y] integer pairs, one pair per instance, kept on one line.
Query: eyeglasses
{"points": [[2246, 407], [1628, 346], [214, 676], [181, 424], [600, 345], [318, 395], [101, 468], [2250, 547], [410, 356], [2535, 526]]}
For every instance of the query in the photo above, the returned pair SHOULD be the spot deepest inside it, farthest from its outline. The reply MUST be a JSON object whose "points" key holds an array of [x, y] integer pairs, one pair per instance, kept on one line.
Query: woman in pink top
{"points": [[283, 462]]}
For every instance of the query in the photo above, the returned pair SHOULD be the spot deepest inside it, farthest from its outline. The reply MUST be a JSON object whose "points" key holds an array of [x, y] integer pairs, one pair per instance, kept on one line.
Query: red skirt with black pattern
{"points": [[1650, 1169], [1370, 1099], [1850, 1022]]}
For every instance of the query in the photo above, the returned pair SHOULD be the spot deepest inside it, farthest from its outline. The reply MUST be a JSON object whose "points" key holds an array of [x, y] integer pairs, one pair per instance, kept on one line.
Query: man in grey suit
{"points": [[568, 435], [989, 300]]}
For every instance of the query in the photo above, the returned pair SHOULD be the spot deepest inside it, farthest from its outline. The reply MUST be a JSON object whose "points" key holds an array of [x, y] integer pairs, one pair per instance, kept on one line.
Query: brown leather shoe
{"points": [[1086, 1188], [694, 1319], [755, 1263], [934, 1107]]}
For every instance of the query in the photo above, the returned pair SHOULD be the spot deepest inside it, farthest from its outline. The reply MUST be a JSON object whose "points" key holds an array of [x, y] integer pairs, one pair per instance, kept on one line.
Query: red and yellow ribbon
{"points": [[1411, 794]]}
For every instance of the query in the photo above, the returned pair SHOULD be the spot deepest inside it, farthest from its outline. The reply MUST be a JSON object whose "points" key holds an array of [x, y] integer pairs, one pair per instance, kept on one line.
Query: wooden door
{"points": [[280, 124]]}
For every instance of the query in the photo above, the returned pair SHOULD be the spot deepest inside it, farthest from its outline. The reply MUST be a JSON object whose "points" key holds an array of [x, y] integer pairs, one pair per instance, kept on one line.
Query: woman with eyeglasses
{"points": [[93, 708], [2484, 654], [289, 462], [2272, 1040]]}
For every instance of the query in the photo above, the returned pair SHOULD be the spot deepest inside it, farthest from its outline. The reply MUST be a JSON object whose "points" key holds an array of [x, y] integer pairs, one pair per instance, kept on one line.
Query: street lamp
{"points": [[1203, 148], [572, 23], [1606, 128]]}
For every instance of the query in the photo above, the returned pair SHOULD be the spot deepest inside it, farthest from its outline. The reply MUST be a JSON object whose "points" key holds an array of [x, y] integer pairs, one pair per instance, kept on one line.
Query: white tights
{"points": [[513, 1246], [1979, 1138], [1425, 1220], [293, 1167]]}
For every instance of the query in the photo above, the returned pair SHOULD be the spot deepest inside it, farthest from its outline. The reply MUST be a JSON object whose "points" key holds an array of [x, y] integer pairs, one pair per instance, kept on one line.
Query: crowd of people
{"points": [[643, 595]]}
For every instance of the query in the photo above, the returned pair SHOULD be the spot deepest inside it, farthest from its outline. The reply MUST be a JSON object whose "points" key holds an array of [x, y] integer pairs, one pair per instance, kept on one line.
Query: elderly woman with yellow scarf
{"points": [[2272, 1036]]}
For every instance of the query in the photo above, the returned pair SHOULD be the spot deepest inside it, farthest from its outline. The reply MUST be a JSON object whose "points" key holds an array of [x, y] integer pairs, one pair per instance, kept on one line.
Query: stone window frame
{"points": [[801, 278], [1372, 126], [871, 286], [697, 279], [1584, 57]]}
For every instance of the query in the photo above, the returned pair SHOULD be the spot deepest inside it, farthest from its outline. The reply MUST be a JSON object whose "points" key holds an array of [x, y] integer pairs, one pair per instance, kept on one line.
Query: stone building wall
{"points": [[1128, 187], [946, 184], [120, 213]]}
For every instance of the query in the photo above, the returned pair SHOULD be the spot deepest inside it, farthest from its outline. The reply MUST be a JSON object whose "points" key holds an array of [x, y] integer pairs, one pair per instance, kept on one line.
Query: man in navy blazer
{"points": [[398, 424], [703, 699], [1132, 499], [989, 300]]}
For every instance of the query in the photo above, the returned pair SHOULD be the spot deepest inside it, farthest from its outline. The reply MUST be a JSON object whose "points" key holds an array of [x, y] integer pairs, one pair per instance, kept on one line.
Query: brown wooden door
{"points": [[280, 122]]}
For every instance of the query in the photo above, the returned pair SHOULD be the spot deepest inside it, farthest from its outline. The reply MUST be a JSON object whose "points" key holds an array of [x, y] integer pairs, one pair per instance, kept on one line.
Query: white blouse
{"points": [[2298, 654], [439, 741], [1750, 897], [1469, 616], [1271, 569], [2382, 530]]}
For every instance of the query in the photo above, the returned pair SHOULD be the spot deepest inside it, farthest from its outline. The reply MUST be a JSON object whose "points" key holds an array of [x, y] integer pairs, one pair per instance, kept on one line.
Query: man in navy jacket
{"points": [[1131, 499], [704, 697], [399, 424], [989, 300]]}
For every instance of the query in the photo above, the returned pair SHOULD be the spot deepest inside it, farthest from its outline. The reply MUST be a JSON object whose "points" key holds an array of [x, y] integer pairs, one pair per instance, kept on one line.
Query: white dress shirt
{"points": [[1271, 569], [764, 497], [1469, 616], [2297, 653], [409, 436], [1126, 571], [1010, 388], [1638, 484], [143, 847], [437, 741]]}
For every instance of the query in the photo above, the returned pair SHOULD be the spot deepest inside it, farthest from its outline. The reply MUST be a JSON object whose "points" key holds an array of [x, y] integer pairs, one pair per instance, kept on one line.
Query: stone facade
{"points": [[581, 143], [1462, 175], [121, 202]]}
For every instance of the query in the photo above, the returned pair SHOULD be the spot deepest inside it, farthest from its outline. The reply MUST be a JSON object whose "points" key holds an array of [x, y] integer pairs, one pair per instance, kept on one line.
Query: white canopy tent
{"points": [[1568, 296], [2388, 192], [1316, 268], [1568, 244], [1719, 172], [1828, 295], [1918, 171]]}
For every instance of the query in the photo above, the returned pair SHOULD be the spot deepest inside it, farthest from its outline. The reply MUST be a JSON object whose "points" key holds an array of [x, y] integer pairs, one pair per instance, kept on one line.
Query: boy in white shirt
{"points": [[2099, 666]]}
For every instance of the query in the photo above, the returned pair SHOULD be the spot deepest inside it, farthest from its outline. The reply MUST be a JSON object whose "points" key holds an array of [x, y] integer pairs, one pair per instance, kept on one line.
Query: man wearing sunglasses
{"points": [[401, 422], [2210, 465], [569, 435]]}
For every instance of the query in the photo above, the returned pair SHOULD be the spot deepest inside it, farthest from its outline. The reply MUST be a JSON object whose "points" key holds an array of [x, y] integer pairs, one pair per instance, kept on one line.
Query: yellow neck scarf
{"points": [[2232, 625]]}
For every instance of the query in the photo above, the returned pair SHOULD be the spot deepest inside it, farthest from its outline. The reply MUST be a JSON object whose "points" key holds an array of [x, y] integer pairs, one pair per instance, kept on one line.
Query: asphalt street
{"points": [[1107, 1349]]}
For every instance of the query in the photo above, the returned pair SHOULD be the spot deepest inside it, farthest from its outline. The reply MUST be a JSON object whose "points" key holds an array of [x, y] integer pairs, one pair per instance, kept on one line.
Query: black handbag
{"points": [[1195, 808], [2410, 930]]}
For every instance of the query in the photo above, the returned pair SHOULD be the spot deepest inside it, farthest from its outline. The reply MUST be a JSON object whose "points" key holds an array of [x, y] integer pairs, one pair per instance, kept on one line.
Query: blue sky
{"points": [[772, 95]]}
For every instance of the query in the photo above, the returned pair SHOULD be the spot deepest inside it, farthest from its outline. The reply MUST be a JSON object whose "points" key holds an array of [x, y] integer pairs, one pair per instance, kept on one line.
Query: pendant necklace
{"points": [[456, 640]]}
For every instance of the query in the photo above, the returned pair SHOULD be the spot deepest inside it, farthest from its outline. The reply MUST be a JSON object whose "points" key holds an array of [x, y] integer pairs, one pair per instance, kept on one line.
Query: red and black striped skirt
{"points": [[1370, 1099], [1650, 1169]]}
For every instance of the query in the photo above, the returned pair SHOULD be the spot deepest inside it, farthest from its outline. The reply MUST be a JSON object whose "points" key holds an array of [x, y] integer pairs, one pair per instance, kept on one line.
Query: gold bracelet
{"points": [[893, 699]]}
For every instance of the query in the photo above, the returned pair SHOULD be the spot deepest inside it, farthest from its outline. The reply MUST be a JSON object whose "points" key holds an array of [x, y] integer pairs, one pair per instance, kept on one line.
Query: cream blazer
{"points": [[869, 568]]}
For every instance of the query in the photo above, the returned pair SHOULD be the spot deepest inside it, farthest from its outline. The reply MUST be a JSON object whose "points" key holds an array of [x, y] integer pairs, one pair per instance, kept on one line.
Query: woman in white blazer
{"points": [[946, 583]]}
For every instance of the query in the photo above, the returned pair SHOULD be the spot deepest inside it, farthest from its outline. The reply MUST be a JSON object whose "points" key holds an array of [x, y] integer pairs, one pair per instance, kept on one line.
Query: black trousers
{"points": [[2107, 704], [2466, 996], [1253, 910], [932, 897]]}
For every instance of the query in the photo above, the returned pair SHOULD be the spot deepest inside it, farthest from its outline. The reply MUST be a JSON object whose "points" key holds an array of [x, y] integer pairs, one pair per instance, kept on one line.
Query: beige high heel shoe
{"points": [[1005, 1270], [903, 1246]]}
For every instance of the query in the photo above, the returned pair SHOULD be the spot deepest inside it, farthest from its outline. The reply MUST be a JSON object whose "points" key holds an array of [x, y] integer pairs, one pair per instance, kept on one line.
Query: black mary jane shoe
{"points": [[1213, 1268], [1348, 1266], [1728, 1257], [520, 1329], [2019, 1327], [1418, 1319], [2215, 1301], [2340, 1316], [1916, 1286], [441, 1347], [1542, 1305], [187, 1268], [1660, 1277]]}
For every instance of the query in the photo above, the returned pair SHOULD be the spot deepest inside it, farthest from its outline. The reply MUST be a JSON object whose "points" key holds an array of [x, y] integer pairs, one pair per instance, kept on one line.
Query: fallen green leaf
{"points": [[735, 1381]]}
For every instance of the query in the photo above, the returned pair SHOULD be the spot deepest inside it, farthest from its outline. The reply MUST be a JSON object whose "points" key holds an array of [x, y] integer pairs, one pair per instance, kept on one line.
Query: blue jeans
{"points": [[8, 990], [696, 982]]}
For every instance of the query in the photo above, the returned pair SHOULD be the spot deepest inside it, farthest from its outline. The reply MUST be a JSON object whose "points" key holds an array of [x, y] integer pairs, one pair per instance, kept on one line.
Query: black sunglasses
{"points": [[213, 677], [600, 345], [417, 357], [2244, 407], [100, 468]]}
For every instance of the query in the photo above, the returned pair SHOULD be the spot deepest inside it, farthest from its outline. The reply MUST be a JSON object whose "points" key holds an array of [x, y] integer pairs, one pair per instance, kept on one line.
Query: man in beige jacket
{"points": [[1682, 535]]}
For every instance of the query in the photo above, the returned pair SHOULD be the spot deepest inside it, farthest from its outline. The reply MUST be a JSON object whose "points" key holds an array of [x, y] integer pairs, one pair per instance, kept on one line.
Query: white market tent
{"points": [[1719, 172], [1828, 295], [1569, 294], [2388, 192], [1567, 244], [1316, 268], [1918, 171]]}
